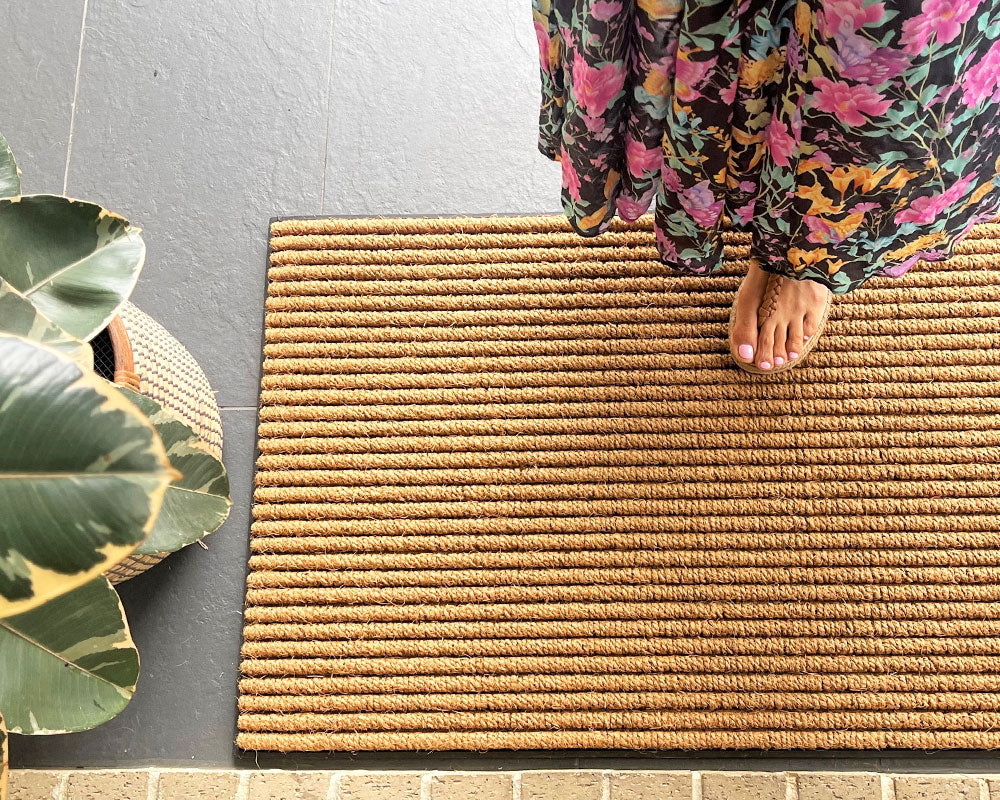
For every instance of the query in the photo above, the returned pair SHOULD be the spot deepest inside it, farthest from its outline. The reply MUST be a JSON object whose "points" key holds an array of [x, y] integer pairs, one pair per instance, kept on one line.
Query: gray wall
{"points": [[200, 120]]}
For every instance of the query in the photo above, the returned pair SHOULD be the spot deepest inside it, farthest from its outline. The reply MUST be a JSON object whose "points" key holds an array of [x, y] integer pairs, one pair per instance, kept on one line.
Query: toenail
{"points": [[765, 365], [793, 356], [778, 361], [746, 352]]}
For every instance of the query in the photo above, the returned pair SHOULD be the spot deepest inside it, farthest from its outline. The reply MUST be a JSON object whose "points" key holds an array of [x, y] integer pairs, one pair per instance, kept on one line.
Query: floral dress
{"points": [[850, 137]]}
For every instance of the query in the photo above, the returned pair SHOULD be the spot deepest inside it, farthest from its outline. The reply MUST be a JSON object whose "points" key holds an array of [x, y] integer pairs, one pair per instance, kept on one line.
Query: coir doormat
{"points": [[512, 493]]}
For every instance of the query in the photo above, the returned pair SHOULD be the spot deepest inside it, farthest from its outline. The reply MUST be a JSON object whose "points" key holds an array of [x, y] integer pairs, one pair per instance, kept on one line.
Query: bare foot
{"points": [[789, 320]]}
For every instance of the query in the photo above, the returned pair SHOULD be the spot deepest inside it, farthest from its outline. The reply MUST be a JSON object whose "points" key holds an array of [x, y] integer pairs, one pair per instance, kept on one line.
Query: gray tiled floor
{"points": [[202, 119]]}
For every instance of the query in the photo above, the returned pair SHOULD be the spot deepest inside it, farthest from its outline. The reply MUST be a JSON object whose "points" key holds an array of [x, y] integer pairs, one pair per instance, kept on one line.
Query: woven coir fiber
{"points": [[513, 493]]}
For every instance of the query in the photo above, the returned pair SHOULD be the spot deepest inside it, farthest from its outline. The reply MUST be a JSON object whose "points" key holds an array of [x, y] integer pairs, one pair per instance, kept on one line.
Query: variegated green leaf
{"points": [[3, 760], [82, 475], [196, 504], [19, 317], [69, 664], [10, 182], [76, 262]]}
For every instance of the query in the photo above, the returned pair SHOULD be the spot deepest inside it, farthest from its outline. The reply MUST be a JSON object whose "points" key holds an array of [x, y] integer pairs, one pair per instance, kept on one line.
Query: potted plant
{"points": [[89, 470]]}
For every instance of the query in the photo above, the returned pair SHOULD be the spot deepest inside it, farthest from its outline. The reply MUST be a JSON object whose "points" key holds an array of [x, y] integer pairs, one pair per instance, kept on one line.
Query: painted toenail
{"points": [[765, 365], [746, 352], [778, 361], [793, 356]]}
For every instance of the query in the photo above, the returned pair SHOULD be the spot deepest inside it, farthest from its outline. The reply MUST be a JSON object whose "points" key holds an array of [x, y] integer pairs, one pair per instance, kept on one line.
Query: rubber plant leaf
{"points": [[20, 318], [195, 504], [76, 262], [69, 664], [10, 181], [82, 475]]}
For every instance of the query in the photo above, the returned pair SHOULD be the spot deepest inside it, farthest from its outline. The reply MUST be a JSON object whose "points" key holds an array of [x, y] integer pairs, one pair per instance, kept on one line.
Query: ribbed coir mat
{"points": [[512, 493]]}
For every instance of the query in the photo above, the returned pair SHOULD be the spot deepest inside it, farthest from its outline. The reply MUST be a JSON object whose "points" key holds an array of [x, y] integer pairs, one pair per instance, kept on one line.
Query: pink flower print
{"points": [[728, 95], [863, 208], [570, 180], [595, 87], [701, 205], [958, 189], [821, 231], [940, 18], [780, 143], [595, 124], [983, 216], [631, 208], [745, 213], [883, 65], [857, 59], [848, 15], [822, 158], [897, 270], [848, 102], [604, 10], [664, 67], [689, 75], [542, 34], [666, 247], [640, 159], [982, 79], [942, 97], [793, 51], [671, 180], [924, 210]]}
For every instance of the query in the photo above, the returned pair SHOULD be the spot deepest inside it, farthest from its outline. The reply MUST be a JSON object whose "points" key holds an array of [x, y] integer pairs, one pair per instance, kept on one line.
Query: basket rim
{"points": [[121, 348]]}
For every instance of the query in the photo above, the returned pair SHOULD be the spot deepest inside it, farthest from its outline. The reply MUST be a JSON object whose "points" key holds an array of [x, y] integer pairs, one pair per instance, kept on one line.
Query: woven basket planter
{"points": [[137, 352]]}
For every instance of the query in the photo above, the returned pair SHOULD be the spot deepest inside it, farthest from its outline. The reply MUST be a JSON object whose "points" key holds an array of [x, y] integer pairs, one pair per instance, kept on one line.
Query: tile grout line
{"points": [[76, 94], [425, 785], [153, 785], [333, 786], [243, 786], [329, 86], [791, 786], [696, 792]]}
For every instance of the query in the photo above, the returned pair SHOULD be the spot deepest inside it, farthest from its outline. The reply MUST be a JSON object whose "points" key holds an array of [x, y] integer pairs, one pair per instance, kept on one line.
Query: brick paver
{"points": [[838, 786], [377, 786], [277, 785], [470, 786], [658, 785], [36, 784], [743, 786], [562, 785], [103, 784], [936, 787], [197, 785]]}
